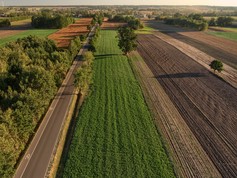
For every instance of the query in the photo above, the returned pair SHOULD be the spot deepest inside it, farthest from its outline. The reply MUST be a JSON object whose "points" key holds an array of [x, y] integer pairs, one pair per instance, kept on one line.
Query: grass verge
{"points": [[115, 135]]}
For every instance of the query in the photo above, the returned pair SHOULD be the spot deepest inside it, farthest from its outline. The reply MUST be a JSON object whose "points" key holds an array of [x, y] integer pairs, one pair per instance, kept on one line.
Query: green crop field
{"points": [[227, 35], [115, 135], [37, 32]]}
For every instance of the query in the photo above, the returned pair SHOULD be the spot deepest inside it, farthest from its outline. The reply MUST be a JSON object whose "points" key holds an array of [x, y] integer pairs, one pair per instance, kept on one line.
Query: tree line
{"points": [[193, 21], [221, 21], [132, 22], [84, 75], [31, 70], [47, 20], [5, 23]]}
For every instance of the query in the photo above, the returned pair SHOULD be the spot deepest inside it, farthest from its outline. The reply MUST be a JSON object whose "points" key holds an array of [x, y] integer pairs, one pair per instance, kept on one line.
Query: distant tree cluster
{"points": [[5, 23], [31, 69], [194, 21], [221, 21], [132, 22], [97, 18], [46, 20]]}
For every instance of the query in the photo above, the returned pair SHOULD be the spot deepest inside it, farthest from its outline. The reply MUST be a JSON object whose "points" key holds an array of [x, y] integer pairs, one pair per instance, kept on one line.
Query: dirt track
{"points": [[207, 104], [218, 48]]}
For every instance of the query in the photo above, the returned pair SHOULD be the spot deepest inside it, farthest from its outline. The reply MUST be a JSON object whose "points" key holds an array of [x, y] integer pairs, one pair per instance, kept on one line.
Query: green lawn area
{"points": [[37, 32], [227, 35], [145, 30], [115, 135]]}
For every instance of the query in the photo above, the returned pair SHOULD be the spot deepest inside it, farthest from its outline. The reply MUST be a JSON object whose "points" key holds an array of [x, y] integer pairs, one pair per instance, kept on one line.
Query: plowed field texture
{"points": [[207, 104], [217, 47], [115, 135], [65, 35]]}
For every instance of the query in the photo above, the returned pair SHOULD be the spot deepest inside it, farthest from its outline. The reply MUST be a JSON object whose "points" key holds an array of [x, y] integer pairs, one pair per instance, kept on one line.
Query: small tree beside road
{"points": [[83, 76], [216, 65]]}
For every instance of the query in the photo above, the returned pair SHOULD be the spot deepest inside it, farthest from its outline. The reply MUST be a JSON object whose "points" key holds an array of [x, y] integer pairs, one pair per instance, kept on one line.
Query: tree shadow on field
{"points": [[181, 75], [103, 56]]}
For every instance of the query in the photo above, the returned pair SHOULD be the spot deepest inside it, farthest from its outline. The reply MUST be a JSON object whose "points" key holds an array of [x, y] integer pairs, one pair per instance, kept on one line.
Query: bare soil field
{"points": [[111, 25], [17, 27], [229, 74], [65, 35], [206, 103], [219, 48], [190, 160]]}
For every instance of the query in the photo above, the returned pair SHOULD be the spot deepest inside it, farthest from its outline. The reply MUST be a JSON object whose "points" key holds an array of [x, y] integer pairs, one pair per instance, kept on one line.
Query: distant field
{"points": [[227, 35], [37, 32], [226, 29], [115, 135], [21, 22], [145, 30]]}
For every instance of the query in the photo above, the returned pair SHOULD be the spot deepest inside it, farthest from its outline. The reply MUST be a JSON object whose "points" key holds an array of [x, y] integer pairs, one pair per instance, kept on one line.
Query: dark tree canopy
{"points": [[127, 38], [5, 23], [224, 21], [216, 65], [46, 20], [194, 21], [31, 70]]}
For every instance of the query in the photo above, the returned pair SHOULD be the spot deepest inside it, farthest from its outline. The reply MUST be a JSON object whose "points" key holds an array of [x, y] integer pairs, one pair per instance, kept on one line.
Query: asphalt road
{"points": [[36, 160]]}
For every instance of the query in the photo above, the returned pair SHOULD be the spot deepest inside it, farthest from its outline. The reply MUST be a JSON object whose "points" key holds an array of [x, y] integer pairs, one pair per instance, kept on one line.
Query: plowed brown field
{"points": [[65, 35], [207, 104], [190, 160], [111, 25], [218, 48]]}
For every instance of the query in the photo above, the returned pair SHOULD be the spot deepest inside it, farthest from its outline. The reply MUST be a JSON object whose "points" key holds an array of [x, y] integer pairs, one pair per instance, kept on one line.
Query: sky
{"points": [[119, 2]]}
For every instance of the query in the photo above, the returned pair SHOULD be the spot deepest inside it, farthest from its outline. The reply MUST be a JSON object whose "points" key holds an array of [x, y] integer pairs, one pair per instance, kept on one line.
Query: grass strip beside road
{"points": [[115, 135], [36, 32]]}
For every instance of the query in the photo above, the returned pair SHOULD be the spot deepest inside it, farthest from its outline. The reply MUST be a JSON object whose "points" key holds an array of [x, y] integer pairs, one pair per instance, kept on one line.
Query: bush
{"points": [[216, 65], [5, 23]]}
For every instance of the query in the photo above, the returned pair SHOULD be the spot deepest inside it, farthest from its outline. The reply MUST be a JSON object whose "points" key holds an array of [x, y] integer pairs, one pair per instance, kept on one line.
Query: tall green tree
{"points": [[127, 39], [83, 76]]}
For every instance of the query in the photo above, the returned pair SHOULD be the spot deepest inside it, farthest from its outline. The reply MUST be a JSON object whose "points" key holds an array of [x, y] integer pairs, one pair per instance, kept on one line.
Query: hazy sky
{"points": [[120, 2]]}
